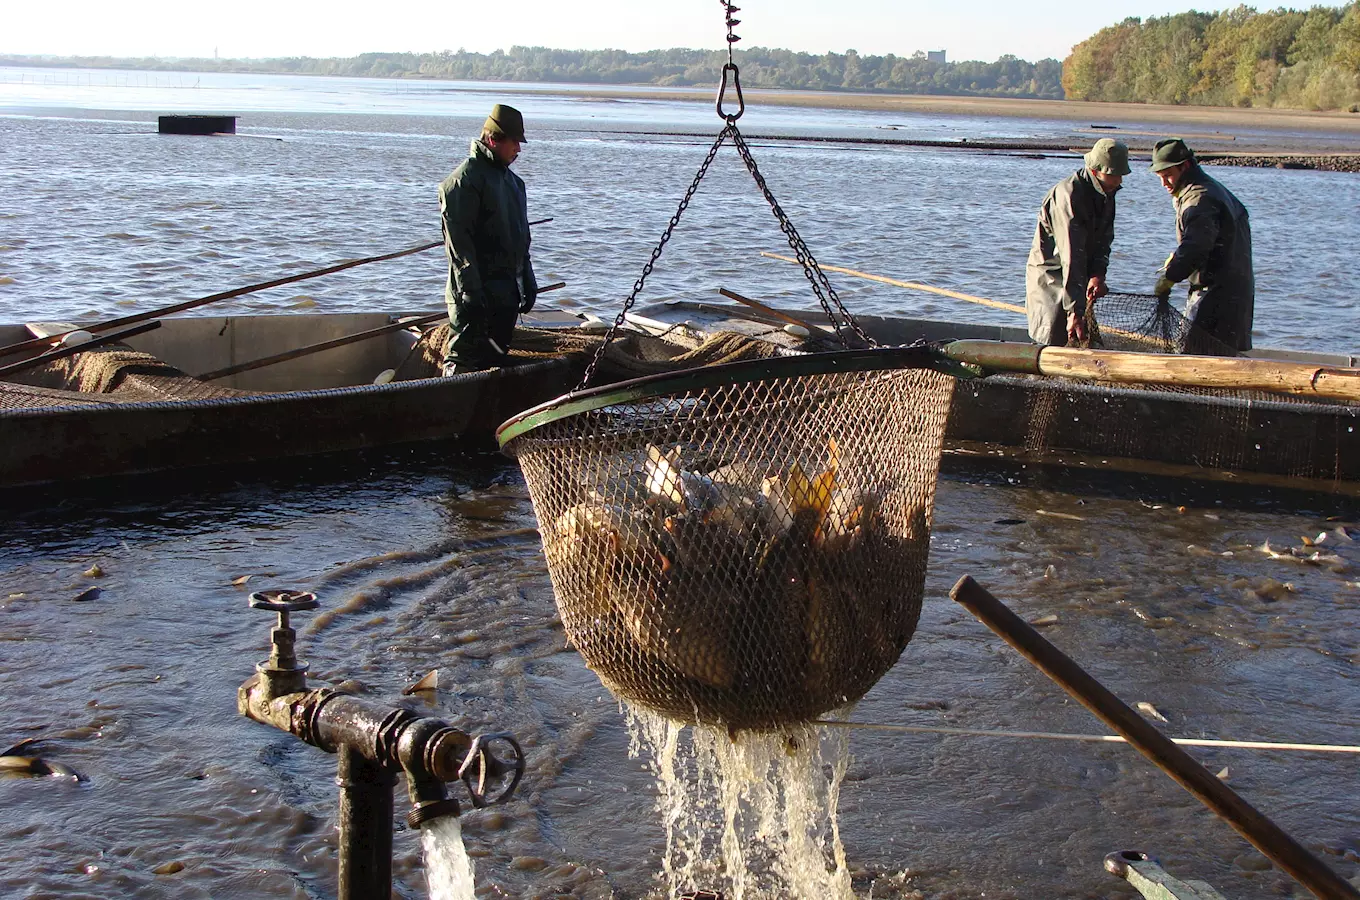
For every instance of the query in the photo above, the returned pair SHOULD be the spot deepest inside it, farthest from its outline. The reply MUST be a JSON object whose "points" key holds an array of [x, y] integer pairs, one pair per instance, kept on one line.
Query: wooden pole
{"points": [[1264, 835], [211, 298], [323, 345], [61, 352], [54, 339], [1236, 373], [912, 285], [1124, 367], [772, 312]]}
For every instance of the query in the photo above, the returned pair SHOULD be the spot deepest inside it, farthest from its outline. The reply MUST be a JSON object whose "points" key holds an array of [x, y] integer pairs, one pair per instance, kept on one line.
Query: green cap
{"points": [[1109, 156], [1170, 152], [505, 120]]}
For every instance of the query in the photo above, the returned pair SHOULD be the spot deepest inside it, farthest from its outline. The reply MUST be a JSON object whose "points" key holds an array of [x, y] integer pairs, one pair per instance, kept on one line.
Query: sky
{"points": [[974, 29]]}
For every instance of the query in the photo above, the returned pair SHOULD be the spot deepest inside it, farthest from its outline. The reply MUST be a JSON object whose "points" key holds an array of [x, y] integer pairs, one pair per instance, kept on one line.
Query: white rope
{"points": [[1096, 738]]}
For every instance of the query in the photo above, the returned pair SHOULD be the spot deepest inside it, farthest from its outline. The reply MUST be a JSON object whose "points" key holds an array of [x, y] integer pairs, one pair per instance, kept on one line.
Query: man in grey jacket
{"points": [[485, 219], [1071, 249], [1213, 251]]}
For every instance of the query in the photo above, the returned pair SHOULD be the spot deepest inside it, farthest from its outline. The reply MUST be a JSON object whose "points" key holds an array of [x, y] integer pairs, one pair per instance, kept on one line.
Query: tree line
{"points": [[1239, 57], [1008, 76]]}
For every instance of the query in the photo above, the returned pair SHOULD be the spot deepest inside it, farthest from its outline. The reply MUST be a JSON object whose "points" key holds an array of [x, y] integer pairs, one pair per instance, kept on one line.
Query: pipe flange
{"points": [[389, 735], [428, 812], [308, 716]]}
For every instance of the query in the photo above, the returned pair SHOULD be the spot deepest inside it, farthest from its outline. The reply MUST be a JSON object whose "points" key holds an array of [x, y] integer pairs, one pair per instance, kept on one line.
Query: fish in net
{"points": [[743, 545]]}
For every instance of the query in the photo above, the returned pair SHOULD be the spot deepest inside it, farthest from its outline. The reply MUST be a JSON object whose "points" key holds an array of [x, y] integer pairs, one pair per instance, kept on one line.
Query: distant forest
{"points": [[1240, 57], [760, 68]]}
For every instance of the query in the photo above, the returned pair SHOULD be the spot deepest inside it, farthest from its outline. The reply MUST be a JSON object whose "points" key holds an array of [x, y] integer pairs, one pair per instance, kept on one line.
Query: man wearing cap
{"points": [[485, 220], [1214, 249], [1071, 250]]}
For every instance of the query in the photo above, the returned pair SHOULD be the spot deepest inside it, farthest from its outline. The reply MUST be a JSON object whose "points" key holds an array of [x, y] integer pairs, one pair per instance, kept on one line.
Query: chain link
{"points": [[826, 294], [813, 272], [656, 255]]}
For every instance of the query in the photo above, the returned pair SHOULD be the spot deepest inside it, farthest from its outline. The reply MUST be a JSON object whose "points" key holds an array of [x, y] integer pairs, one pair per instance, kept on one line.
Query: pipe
{"points": [[1151, 880], [364, 817], [374, 742], [1260, 831]]}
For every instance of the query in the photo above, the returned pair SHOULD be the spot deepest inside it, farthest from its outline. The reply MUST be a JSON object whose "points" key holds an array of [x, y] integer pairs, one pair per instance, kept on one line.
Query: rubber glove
{"points": [[1162, 290]]}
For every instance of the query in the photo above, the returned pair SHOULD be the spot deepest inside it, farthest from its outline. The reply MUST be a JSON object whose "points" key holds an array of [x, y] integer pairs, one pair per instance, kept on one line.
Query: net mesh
{"points": [[113, 374], [750, 554], [1145, 323]]}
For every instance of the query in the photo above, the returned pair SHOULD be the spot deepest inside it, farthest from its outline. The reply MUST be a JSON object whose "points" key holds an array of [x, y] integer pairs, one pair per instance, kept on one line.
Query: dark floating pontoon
{"points": [[203, 125]]}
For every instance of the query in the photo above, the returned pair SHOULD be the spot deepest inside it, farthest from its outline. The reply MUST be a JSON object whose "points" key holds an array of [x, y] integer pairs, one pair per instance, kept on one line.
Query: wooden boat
{"points": [[158, 419], [1235, 437], [328, 402]]}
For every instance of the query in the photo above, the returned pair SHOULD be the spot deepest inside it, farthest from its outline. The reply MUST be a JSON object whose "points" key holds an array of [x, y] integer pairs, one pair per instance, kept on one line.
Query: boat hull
{"points": [[54, 444]]}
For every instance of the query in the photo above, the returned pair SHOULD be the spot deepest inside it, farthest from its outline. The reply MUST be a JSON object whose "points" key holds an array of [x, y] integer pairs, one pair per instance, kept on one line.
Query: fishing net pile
{"points": [[112, 374], [628, 355], [744, 547]]}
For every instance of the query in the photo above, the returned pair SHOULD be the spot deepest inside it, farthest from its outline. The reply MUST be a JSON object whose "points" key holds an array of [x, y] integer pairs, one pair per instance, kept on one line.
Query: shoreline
{"points": [[1092, 112]]}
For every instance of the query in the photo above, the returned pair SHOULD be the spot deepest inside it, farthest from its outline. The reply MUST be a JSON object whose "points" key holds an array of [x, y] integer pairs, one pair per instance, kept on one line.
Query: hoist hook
{"points": [[722, 91]]}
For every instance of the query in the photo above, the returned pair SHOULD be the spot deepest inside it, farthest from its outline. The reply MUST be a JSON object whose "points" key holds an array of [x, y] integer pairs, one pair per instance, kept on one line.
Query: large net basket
{"points": [[742, 544]]}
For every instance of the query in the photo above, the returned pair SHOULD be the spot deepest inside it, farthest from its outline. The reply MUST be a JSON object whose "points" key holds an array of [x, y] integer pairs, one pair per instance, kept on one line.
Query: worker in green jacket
{"points": [[485, 219], [1213, 251], [1071, 250]]}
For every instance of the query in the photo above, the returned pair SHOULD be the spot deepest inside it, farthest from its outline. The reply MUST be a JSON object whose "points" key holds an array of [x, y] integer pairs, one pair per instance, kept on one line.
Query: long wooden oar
{"points": [[958, 295], [62, 352], [1264, 835], [323, 345], [1124, 367], [912, 285], [340, 342], [211, 298], [54, 339], [773, 313]]}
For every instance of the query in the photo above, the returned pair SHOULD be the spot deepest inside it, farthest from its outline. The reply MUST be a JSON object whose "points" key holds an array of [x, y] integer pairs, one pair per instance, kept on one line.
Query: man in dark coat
{"points": [[1071, 250], [486, 239], [1214, 249]]}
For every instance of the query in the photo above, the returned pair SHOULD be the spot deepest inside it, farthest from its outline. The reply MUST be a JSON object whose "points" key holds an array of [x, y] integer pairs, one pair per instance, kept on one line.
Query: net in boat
{"points": [[1146, 323], [743, 544]]}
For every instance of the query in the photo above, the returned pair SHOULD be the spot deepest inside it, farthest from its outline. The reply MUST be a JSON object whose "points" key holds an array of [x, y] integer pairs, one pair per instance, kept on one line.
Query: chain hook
{"points": [[722, 91]]}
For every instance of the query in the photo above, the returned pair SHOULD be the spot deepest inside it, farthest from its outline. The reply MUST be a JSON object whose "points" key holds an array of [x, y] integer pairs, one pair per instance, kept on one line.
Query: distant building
{"points": [[935, 56]]}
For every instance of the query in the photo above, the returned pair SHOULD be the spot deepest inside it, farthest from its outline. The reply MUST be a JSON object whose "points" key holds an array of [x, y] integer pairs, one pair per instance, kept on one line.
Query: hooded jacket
{"points": [[1071, 243]]}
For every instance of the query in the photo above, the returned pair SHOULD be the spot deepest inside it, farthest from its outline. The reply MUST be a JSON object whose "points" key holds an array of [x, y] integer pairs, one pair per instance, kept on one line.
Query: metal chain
{"points": [[826, 294], [656, 255], [811, 270]]}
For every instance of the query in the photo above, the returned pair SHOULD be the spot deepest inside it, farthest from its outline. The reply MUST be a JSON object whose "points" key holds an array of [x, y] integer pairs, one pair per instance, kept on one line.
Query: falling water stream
{"points": [[448, 870], [751, 814]]}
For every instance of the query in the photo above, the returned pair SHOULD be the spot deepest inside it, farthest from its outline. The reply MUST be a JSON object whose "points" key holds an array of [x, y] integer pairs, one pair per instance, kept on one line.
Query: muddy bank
{"points": [[1349, 162], [1138, 150]]}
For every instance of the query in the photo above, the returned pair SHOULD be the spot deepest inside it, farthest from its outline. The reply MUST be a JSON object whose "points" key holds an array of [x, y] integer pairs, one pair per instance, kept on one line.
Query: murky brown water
{"points": [[136, 689], [424, 560]]}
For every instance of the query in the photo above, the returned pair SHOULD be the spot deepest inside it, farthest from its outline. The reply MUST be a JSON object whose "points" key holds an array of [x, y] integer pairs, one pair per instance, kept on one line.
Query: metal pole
{"points": [[1264, 835], [365, 822]]}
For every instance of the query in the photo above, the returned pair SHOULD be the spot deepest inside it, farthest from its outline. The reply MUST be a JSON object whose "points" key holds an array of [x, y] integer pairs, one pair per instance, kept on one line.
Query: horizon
{"points": [[160, 29]]}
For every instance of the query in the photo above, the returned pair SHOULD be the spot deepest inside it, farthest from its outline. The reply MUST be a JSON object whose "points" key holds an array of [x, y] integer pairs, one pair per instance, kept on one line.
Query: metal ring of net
{"points": [[742, 544]]}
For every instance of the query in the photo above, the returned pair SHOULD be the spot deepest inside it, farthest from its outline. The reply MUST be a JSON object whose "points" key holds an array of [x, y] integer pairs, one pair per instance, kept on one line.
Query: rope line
{"points": [[1091, 738]]}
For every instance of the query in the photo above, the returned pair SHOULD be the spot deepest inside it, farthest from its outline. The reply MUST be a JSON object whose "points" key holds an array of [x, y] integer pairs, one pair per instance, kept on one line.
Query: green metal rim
{"points": [[914, 357]]}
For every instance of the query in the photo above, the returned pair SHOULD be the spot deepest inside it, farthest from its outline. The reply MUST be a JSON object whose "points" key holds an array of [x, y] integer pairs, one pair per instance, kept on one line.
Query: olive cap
{"points": [[505, 121], [1170, 152], [1109, 156]]}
